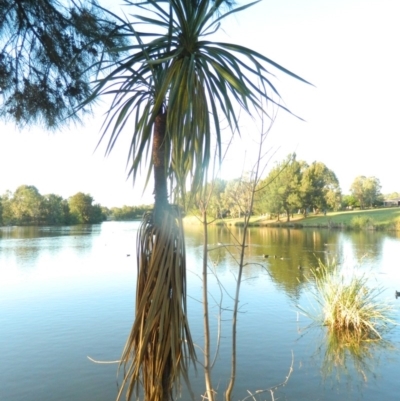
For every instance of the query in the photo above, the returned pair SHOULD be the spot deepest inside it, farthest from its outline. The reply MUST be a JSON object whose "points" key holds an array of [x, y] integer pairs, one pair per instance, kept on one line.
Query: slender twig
{"points": [[254, 180], [272, 389], [102, 362]]}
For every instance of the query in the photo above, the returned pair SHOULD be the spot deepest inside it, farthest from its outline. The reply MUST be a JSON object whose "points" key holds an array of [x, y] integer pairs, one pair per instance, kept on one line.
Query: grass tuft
{"points": [[350, 307]]}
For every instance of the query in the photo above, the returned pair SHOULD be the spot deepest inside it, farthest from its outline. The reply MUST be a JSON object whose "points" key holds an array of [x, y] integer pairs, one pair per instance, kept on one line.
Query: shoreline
{"points": [[382, 219]]}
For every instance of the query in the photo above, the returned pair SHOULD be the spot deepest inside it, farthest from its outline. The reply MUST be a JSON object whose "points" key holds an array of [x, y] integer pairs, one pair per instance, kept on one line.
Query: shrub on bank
{"points": [[362, 223]]}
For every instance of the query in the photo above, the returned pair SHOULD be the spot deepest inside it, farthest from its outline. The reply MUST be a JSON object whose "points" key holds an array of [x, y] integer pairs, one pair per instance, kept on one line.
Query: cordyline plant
{"points": [[171, 90]]}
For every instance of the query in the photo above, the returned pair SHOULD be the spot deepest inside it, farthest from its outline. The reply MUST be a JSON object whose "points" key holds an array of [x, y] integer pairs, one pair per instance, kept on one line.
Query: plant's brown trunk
{"points": [[160, 205], [159, 165]]}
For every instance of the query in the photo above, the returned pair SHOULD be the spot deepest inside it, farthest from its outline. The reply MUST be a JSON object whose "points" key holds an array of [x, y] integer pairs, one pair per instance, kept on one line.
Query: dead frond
{"points": [[159, 348]]}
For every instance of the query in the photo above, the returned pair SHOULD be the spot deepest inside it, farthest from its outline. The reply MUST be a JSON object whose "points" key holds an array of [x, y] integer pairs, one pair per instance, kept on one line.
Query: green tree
{"points": [[172, 88], [393, 195], [373, 195], [66, 211], [83, 211], [216, 206], [280, 190], [126, 213], [357, 190], [53, 210], [26, 205], [367, 190], [319, 188], [236, 196], [49, 52], [96, 214], [7, 216], [349, 202]]}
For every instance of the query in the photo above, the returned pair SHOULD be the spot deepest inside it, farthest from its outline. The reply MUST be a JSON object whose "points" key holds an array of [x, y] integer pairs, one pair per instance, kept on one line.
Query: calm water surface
{"points": [[67, 293]]}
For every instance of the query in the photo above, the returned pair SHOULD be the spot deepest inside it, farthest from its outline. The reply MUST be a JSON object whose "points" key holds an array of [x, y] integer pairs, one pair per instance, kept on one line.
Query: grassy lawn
{"points": [[380, 219], [384, 218]]}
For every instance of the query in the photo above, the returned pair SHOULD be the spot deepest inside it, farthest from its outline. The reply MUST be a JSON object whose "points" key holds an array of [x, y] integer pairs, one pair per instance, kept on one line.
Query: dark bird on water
{"points": [[265, 256], [397, 294], [299, 267]]}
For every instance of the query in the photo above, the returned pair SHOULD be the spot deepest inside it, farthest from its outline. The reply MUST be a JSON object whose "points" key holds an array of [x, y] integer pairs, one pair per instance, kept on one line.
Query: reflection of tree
{"points": [[345, 355], [27, 244], [292, 253], [25, 232], [298, 247], [366, 243], [287, 249], [19, 232]]}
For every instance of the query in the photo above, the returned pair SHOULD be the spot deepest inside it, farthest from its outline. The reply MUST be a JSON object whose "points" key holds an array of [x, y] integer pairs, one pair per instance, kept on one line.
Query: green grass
{"points": [[384, 219], [369, 219], [350, 308]]}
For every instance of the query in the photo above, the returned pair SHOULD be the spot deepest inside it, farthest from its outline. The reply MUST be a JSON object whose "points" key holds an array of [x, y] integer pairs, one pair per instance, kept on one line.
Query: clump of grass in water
{"points": [[349, 306]]}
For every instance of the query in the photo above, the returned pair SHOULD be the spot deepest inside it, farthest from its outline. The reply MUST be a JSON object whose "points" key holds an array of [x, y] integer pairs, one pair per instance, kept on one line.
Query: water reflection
{"points": [[345, 358], [78, 300], [22, 245], [28, 252], [290, 248], [15, 232]]}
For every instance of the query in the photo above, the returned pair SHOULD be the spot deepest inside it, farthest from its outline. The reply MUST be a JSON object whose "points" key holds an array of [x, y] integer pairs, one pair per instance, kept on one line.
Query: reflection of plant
{"points": [[349, 306], [355, 318], [344, 351]]}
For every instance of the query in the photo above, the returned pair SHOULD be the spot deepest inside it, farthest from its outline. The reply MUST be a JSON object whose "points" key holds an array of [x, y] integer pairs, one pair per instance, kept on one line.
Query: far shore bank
{"points": [[386, 219]]}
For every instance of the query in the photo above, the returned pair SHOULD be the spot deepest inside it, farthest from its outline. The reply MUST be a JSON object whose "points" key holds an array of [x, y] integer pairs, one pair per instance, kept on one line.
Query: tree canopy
{"points": [[280, 190], [293, 185], [319, 188], [367, 190], [49, 53]]}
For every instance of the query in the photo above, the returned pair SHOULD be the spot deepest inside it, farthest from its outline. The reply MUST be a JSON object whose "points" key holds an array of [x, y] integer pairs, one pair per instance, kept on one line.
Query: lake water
{"points": [[67, 293]]}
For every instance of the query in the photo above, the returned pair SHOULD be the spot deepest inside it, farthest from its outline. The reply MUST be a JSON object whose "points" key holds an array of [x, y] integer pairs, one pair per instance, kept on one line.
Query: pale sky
{"points": [[346, 48]]}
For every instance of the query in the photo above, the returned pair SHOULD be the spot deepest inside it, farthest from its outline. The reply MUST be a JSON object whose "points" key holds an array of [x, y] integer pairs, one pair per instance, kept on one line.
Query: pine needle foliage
{"points": [[159, 347], [49, 52]]}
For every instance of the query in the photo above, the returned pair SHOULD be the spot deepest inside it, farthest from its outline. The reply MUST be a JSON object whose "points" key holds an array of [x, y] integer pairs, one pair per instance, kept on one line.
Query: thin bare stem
{"points": [[272, 389], [253, 184]]}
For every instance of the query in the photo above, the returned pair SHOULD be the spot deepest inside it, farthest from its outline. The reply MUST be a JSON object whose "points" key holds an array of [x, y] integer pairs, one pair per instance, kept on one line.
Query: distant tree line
{"points": [[26, 206], [127, 213], [293, 186]]}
